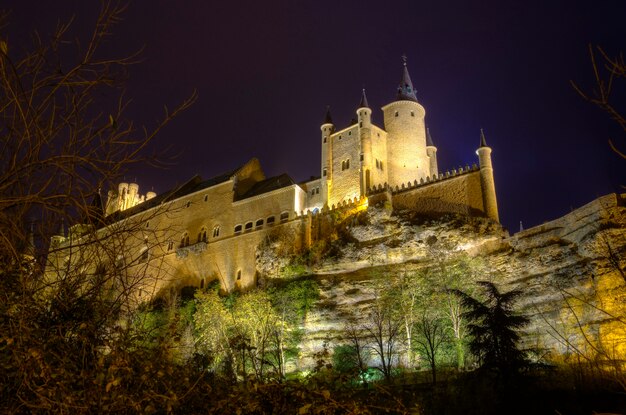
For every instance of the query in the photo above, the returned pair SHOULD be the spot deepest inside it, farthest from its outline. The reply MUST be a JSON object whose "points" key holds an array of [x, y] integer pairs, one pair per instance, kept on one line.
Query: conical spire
{"points": [[429, 139], [95, 211], [483, 142], [328, 119], [405, 89], [363, 103]]}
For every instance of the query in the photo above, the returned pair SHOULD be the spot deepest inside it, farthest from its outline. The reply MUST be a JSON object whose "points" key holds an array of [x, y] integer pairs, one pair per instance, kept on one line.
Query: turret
{"points": [[431, 151], [407, 159], [487, 183], [133, 195], [122, 195], [364, 116], [327, 154]]}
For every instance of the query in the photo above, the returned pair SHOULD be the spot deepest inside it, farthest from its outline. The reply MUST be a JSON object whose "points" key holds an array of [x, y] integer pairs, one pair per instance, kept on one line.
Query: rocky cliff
{"points": [[571, 270]]}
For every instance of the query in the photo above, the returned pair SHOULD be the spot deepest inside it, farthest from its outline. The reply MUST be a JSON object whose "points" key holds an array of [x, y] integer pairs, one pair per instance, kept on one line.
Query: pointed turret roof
{"points": [[429, 139], [95, 210], [483, 142], [363, 103], [405, 89], [328, 119]]}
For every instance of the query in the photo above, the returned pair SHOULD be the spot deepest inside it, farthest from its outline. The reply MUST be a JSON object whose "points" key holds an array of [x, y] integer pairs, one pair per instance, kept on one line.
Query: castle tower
{"points": [[122, 195], [364, 117], [431, 151], [486, 179], [407, 159], [327, 156]]}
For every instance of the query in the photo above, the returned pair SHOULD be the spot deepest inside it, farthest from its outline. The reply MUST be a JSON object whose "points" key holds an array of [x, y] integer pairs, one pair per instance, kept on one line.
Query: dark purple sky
{"points": [[265, 71]]}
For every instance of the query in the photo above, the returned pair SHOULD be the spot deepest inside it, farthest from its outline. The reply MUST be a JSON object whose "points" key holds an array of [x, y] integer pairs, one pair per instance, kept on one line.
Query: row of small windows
{"points": [[315, 191], [202, 237], [259, 223], [345, 164], [379, 164]]}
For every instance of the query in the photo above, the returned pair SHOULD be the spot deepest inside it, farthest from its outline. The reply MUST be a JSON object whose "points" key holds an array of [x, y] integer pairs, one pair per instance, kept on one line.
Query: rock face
{"points": [[571, 270]]}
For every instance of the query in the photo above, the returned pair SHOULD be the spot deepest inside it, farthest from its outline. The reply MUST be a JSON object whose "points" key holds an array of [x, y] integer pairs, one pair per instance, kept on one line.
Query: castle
{"points": [[208, 229]]}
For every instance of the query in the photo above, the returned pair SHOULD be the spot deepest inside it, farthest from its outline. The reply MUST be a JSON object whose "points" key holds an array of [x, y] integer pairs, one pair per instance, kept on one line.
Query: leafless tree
{"points": [[59, 146], [609, 76], [431, 335], [384, 327]]}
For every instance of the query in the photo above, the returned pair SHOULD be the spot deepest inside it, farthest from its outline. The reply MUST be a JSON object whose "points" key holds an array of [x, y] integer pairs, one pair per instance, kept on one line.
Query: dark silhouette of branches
{"points": [[494, 328], [63, 136], [608, 72]]}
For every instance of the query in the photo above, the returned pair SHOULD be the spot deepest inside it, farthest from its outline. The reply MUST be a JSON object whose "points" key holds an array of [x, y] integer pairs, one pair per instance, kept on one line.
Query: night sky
{"points": [[266, 70]]}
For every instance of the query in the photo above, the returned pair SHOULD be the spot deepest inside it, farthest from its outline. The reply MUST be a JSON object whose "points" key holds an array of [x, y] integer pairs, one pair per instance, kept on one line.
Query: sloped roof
{"points": [[193, 185], [267, 185]]}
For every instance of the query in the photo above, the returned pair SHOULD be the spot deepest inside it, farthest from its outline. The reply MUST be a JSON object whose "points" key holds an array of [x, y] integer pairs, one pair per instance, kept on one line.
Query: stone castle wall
{"points": [[458, 191], [346, 183]]}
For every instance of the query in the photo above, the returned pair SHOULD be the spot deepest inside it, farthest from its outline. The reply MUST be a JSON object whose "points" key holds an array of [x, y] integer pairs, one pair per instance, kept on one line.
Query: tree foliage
{"points": [[494, 328]]}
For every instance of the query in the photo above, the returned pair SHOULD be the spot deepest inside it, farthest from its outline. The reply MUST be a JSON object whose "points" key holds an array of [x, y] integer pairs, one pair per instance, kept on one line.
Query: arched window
{"points": [[238, 275], [284, 216], [248, 226], [202, 236], [216, 231], [238, 229], [184, 241], [270, 220], [170, 245], [259, 224]]}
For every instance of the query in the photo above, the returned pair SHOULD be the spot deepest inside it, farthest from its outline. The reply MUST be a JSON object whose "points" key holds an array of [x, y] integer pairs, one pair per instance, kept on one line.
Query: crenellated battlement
{"points": [[385, 187]]}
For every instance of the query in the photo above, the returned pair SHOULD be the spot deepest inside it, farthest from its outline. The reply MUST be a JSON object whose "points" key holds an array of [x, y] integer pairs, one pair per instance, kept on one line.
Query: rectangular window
{"points": [[324, 172], [362, 157]]}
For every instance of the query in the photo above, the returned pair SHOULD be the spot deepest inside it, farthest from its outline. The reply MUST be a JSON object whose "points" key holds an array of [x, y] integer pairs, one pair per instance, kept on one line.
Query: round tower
{"points": [[133, 195], [122, 195], [407, 159], [431, 151], [327, 155], [487, 183], [364, 117]]}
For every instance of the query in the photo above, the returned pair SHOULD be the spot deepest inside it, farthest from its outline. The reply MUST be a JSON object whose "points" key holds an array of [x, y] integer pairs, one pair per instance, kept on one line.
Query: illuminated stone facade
{"points": [[209, 230]]}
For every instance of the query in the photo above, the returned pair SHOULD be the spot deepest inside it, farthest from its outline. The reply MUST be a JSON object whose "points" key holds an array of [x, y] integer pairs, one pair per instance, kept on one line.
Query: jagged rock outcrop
{"points": [[572, 271]]}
